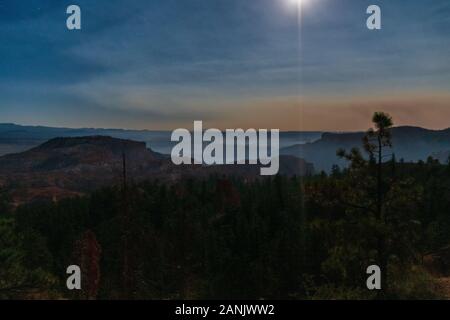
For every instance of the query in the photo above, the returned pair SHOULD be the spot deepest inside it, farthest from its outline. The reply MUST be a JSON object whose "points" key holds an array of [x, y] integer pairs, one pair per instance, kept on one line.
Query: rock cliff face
{"points": [[77, 154], [66, 167], [70, 166]]}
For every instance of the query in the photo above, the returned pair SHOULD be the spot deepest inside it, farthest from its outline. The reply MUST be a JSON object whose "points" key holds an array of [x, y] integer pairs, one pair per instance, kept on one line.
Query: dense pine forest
{"points": [[222, 237]]}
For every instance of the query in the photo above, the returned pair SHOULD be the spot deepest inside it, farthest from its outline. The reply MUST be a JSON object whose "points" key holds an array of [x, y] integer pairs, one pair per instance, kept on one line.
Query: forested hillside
{"points": [[216, 237]]}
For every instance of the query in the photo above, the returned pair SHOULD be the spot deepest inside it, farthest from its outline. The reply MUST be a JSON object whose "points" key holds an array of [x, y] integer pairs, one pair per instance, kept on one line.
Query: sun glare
{"points": [[297, 2]]}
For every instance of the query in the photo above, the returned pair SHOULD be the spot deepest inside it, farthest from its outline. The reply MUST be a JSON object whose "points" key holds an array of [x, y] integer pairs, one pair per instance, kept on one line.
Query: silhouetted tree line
{"points": [[279, 237]]}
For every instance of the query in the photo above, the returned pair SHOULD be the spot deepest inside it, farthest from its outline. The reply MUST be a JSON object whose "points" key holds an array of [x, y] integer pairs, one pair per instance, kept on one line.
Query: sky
{"points": [[161, 64]]}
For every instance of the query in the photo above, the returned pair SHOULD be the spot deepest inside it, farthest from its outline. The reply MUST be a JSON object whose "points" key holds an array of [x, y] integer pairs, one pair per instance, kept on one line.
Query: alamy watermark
{"points": [[73, 21], [233, 146]]}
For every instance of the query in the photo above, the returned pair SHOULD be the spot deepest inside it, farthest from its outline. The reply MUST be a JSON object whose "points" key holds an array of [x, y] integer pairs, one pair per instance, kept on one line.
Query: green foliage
{"points": [[17, 278], [218, 238], [413, 283]]}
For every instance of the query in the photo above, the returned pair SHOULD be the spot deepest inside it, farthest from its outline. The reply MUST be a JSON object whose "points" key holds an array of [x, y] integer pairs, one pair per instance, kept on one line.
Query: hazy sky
{"points": [[161, 64]]}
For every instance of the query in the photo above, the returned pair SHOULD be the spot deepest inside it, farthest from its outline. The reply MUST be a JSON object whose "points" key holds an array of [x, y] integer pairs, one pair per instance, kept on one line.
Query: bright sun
{"points": [[298, 3]]}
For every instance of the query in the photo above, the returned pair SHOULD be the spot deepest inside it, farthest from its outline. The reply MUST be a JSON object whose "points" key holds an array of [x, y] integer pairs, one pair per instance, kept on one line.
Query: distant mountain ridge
{"points": [[17, 138], [65, 167], [409, 143]]}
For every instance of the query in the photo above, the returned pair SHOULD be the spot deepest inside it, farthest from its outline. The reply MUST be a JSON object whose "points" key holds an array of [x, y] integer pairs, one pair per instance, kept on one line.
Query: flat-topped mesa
{"points": [[66, 167], [113, 144], [74, 152], [71, 166]]}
